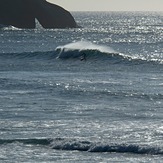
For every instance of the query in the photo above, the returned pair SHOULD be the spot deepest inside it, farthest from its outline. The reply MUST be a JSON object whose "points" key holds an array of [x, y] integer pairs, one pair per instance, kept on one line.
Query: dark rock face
{"points": [[22, 14]]}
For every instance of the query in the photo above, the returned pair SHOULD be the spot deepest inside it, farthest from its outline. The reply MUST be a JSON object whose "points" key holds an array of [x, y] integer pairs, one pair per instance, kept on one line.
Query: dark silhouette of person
{"points": [[83, 57]]}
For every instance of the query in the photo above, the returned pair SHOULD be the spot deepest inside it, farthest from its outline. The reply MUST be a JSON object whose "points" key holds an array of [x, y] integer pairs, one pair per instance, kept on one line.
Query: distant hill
{"points": [[22, 14]]}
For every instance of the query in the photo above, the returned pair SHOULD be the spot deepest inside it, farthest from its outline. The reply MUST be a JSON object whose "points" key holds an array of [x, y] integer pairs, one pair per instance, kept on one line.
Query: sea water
{"points": [[91, 94]]}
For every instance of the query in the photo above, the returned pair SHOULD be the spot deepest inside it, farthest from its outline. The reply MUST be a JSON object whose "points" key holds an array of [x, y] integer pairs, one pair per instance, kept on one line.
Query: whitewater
{"points": [[91, 94]]}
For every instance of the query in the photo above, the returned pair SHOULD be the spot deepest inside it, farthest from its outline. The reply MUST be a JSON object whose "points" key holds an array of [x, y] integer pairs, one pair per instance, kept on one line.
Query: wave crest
{"points": [[80, 49], [73, 144], [98, 52]]}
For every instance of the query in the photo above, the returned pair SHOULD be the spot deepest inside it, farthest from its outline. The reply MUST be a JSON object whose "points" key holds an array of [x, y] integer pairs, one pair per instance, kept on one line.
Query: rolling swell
{"points": [[72, 144], [29, 55], [77, 50], [92, 55]]}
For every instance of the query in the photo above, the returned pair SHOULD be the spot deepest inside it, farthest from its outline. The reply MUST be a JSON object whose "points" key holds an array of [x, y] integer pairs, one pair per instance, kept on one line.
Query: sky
{"points": [[110, 5]]}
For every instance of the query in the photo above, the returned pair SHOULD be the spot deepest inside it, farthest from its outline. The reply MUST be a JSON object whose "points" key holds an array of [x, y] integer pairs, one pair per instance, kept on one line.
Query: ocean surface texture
{"points": [[91, 94]]}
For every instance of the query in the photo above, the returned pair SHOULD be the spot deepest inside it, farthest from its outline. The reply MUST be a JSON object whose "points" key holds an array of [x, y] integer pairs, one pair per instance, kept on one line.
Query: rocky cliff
{"points": [[22, 14]]}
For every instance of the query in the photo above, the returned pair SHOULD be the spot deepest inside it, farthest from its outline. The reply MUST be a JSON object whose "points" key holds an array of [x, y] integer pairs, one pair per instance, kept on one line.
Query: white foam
{"points": [[86, 45]]}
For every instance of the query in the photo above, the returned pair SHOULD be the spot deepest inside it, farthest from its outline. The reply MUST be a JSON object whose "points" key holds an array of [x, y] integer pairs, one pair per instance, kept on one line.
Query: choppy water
{"points": [[93, 94]]}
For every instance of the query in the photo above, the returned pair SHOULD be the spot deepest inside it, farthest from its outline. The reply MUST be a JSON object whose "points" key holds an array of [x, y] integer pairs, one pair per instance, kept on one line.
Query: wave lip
{"points": [[77, 49], [86, 45], [94, 52]]}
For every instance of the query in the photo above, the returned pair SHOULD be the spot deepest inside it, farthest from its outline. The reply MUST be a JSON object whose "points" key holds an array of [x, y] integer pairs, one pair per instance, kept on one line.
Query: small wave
{"points": [[73, 144], [29, 55], [26, 141], [114, 94], [8, 28]]}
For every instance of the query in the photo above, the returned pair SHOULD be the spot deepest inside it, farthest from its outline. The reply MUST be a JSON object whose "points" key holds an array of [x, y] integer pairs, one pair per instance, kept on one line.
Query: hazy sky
{"points": [[110, 5]]}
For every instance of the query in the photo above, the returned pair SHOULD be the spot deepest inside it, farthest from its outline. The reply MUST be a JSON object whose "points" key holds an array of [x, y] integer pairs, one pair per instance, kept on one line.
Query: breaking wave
{"points": [[73, 144], [78, 50]]}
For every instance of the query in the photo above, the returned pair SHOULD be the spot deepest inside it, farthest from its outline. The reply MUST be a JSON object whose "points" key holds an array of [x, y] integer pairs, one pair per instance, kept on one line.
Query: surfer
{"points": [[83, 57]]}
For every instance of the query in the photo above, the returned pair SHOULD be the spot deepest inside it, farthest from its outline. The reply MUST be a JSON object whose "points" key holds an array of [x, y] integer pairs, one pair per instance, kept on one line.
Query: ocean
{"points": [[90, 94]]}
